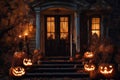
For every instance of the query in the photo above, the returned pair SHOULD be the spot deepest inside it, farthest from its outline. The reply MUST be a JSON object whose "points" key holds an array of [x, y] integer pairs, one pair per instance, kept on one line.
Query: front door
{"points": [[57, 38]]}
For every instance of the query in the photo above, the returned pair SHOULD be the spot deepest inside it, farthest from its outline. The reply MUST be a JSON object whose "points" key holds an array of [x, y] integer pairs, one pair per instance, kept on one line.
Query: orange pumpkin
{"points": [[88, 54], [27, 62], [17, 71], [18, 58], [106, 69], [89, 67]]}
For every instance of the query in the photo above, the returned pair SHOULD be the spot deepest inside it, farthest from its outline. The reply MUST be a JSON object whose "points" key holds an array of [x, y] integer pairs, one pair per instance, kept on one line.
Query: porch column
{"points": [[77, 30], [37, 10]]}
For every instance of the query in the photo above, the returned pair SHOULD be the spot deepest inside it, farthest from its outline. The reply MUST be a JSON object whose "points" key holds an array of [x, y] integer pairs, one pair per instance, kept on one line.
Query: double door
{"points": [[57, 35]]}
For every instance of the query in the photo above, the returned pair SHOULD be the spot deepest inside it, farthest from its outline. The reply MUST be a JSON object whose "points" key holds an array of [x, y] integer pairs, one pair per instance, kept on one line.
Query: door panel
{"points": [[57, 36]]}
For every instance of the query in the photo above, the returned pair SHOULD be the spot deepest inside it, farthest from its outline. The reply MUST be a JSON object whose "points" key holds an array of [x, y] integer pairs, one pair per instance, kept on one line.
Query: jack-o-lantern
{"points": [[106, 69], [88, 54], [27, 62], [18, 58], [17, 71], [89, 67]]}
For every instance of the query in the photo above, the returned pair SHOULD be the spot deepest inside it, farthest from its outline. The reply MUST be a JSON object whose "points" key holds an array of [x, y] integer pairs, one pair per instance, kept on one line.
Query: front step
{"points": [[60, 68], [57, 75]]}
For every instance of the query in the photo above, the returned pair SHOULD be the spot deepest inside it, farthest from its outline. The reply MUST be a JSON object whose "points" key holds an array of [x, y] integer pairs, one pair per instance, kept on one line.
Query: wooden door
{"points": [[57, 36]]}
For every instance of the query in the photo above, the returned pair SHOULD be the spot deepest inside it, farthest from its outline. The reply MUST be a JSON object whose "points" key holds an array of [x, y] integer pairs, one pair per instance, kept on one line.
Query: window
{"points": [[50, 28], [95, 28], [63, 27]]}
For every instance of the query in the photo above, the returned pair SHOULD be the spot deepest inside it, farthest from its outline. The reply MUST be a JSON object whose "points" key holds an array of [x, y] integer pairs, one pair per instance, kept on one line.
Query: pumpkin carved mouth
{"points": [[88, 54], [89, 67], [18, 71], [106, 69]]}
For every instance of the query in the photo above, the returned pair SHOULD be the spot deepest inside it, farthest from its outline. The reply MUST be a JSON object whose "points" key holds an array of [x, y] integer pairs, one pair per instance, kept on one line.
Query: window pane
{"points": [[95, 26], [50, 27], [50, 36], [64, 36], [95, 20], [96, 32], [63, 26]]}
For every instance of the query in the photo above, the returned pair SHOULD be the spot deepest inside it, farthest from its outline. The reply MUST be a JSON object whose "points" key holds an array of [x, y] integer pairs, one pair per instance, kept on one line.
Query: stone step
{"points": [[56, 66], [56, 75], [42, 70], [57, 58], [59, 62]]}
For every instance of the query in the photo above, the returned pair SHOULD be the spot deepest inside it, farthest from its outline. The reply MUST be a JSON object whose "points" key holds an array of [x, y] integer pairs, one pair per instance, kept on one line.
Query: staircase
{"points": [[56, 68]]}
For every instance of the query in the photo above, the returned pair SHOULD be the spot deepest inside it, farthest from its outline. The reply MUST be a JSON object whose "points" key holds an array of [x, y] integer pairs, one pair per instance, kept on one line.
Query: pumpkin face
{"points": [[89, 67], [88, 54], [27, 62], [18, 71], [106, 69]]}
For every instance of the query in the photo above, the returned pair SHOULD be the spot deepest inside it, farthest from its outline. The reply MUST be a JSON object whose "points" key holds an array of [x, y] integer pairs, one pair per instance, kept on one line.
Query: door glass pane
{"points": [[96, 26], [50, 28], [96, 32], [63, 27]]}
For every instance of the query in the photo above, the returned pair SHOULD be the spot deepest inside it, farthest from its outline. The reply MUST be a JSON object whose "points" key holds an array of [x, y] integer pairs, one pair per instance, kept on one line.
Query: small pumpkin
{"points": [[89, 67], [27, 62], [88, 54], [106, 69], [17, 71]]}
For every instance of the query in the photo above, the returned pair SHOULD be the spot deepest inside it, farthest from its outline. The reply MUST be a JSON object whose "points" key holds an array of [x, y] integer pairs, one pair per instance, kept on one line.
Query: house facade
{"points": [[65, 27]]}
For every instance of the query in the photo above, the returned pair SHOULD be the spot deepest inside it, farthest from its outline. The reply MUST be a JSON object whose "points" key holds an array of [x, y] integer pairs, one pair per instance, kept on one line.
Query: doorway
{"points": [[57, 35]]}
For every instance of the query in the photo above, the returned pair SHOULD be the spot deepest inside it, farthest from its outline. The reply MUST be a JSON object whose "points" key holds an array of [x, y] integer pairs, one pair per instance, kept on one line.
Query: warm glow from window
{"points": [[63, 27], [96, 26], [50, 27]]}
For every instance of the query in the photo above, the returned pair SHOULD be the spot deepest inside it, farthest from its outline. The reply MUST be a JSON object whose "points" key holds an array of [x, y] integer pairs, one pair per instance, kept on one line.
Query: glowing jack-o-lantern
{"points": [[17, 71], [88, 54], [89, 67], [27, 62], [106, 69]]}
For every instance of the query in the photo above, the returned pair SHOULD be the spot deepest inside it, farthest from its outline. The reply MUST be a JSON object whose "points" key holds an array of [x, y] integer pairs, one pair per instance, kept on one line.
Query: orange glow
{"points": [[89, 67], [106, 69], [88, 54], [50, 27], [96, 26], [19, 54], [64, 27], [26, 34], [27, 62], [20, 36], [18, 71]]}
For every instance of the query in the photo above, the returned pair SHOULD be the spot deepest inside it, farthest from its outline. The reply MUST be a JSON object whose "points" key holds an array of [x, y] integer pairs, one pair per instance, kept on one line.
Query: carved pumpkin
{"points": [[106, 69], [27, 62], [18, 58], [89, 67], [88, 54], [17, 71]]}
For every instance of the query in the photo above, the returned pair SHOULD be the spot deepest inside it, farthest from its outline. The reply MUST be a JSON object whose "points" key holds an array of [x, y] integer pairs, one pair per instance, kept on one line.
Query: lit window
{"points": [[50, 28], [63, 27], [96, 26]]}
